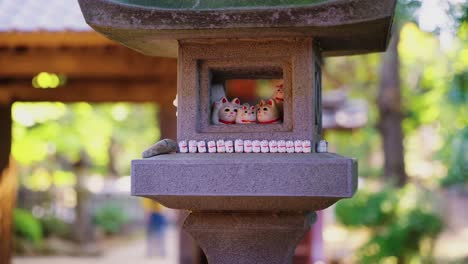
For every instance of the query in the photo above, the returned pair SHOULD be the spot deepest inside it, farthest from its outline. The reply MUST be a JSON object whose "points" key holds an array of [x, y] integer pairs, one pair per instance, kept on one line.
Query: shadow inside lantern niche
{"points": [[247, 101]]}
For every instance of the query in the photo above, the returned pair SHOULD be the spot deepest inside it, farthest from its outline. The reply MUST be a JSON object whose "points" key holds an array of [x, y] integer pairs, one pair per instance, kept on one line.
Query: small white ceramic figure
{"points": [[282, 146], [247, 146], [220, 146], [225, 112], [239, 146], [264, 146], [273, 145], [229, 146], [267, 113], [192, 146], [306, 146], [322, 146], [211, 146], [298, 146], [290, 146], [183, 148], [256, 146], [246, 115], [278, 96], [201, 146]]}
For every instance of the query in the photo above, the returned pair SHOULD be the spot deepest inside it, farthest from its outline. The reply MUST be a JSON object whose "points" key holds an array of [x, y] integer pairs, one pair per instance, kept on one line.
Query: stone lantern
{"points": [[246, 207]]}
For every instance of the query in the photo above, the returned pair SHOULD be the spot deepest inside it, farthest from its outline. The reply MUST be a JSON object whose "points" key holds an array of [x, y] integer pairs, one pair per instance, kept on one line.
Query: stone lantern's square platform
{"points": [[245, 181]]}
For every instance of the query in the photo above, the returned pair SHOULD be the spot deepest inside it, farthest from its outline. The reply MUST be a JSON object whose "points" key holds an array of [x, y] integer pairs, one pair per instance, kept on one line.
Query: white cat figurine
{"points": [[183, 146], [273, 146], [221, 148], [201, 146], [211, 146], [256, 146], [246, 115], [229, 146], [306, 146], [247, 146], [239, 146], [282, 146], [298, 146], [267, 113], [290, 146], [264, 148], [225, 112], [192, 146]]}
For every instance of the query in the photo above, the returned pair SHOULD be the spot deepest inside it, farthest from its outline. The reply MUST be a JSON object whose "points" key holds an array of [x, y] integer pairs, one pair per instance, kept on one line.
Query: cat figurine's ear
{"points": [[252, 108], [271, 102], [262, 103], [236, 101], [245, 107], [224, 100]]}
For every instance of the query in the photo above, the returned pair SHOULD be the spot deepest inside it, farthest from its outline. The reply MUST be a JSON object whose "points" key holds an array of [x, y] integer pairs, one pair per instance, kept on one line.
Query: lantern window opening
{"points": [[246, 95]]}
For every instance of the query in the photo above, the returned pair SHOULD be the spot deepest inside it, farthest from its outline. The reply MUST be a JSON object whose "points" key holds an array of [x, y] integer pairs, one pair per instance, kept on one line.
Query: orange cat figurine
{"points": [[268, 113]]}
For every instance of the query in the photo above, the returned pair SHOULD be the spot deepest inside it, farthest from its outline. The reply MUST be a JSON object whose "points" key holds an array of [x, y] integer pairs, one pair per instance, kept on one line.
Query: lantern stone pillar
{"points": [[240, 237]]}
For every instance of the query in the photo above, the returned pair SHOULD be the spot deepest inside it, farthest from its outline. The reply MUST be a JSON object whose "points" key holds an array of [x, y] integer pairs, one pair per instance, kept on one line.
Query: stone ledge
{"points": [[245, 181]]}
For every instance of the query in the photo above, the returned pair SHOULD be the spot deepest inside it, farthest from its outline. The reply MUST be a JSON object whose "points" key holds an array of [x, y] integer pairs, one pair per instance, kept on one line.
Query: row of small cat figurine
{"points": [[245, 146], [266, 112]]}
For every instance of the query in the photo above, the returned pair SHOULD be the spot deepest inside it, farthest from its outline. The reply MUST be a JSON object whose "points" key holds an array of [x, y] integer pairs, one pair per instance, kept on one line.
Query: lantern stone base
{"points": [[246, 207], [243, 237]]}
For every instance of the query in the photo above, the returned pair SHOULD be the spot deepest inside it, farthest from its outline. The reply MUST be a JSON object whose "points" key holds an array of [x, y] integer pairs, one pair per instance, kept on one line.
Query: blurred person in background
{"points": [[156, 224]]}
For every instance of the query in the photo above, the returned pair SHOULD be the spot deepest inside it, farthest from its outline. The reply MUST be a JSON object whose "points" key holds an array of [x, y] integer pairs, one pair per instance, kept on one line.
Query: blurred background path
{"points": [[132, 252]]}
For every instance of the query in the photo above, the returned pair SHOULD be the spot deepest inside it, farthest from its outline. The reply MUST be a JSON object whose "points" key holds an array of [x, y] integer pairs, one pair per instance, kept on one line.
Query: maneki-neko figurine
{"points": [[246, 115], [225, 112], [268, 112]]}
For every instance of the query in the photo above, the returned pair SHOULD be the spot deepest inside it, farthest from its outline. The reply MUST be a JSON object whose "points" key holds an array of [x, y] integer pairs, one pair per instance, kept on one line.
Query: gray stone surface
{"points": [[212, 4], [245, 181], [341, 27], [164, 146], [248, 238]]}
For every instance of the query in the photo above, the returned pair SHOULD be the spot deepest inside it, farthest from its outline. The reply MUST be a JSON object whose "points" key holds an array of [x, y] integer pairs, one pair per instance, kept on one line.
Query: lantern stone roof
{"points": [[153, 27]]}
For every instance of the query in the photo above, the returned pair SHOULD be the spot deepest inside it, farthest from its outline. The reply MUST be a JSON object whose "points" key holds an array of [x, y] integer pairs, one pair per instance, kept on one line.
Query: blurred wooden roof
{"points": [[52, 36]]}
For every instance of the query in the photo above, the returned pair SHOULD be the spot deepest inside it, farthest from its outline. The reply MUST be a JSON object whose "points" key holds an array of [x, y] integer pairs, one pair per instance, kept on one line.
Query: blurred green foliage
{"points": [[54, 226], [434, 98], [110, 218], [27, 226], [48, 139], [456, 157], [402, 222], [375, 209]]}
